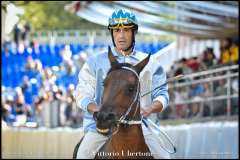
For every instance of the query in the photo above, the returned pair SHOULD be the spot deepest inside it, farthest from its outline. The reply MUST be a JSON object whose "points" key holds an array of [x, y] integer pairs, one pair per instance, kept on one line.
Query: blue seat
{"points": [[8, 60], [57, 49], [31, 74], [62, 46], [48, 48], [28, 96], [151, 48], [79, 48], [145, 48], [25, 53], [35, 89], [40, 47], [16, 77], [4, 76], [73, 49], [34, 54], [85, 46], [95, 46]]}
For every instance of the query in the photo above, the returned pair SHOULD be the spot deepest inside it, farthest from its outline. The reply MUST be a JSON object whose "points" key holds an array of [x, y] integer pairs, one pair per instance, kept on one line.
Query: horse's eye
{"points": [[131, 89]]}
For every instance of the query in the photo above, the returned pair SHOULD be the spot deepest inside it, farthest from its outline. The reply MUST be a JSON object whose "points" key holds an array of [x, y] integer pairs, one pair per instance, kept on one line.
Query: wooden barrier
{"points": [[217, 140], [40, 143]]}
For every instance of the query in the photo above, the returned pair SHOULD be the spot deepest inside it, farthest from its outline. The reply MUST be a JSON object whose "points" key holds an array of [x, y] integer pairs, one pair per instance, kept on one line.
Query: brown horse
{"points": [[119, 117]]}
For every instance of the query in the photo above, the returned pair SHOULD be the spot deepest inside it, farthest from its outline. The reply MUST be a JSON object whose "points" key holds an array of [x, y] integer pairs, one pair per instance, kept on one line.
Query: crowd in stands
{"points": [[48, 82], [200, 91], [40, 85]]}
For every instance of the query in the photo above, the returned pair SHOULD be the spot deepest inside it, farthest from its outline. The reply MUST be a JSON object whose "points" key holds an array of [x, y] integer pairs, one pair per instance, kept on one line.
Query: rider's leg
{"points": [[154, 145], [91, 143]]}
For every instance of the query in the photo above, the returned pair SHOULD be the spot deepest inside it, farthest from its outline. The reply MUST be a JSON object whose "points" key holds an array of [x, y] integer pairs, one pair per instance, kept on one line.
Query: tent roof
{"points": [[199, 19]]}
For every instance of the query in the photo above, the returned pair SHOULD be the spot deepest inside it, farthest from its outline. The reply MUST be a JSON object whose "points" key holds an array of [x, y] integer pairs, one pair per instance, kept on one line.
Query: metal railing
{"points": [[210, 78], [88, 36]]}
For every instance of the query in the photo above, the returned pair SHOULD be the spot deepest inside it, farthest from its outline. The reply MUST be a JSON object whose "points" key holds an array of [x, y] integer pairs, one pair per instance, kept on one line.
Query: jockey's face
{"points": [[122, 38]]}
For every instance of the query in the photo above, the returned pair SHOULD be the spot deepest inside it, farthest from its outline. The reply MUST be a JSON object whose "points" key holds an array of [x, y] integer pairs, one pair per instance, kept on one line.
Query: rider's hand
{"points": [[92, 107], [146, 111], [155, 107]]}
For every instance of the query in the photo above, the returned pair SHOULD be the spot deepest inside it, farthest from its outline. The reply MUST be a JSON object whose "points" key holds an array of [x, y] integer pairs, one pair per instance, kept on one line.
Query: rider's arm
{"points": [[160, 96], [85, 90]]}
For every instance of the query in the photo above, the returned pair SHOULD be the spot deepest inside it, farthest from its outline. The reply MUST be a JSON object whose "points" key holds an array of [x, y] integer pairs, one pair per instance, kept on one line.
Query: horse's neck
{"points": [[131, 133], [132, 130], [128, 134]]}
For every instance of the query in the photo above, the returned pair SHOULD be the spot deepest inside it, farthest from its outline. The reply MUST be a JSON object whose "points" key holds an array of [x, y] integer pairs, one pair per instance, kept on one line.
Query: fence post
{"points": [[211, 104], [228, 94]]}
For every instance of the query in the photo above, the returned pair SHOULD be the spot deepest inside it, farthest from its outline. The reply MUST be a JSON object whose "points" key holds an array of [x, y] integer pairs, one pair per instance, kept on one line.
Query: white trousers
{"points": [[93, 141]]}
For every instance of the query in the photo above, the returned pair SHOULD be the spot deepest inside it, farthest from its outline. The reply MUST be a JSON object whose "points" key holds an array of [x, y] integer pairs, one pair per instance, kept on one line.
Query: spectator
{"points": [[197, 91], [206, 105], [182, 68], [48, 79], [180, 95], [38, 110], [66, 53], [229, 52], [34, 44], [70, 68], [25, 84], [196, 108], [234, 53], [38, 65], [20, 107], [7, 45], [67, 67], [30, 65], [26, 87], [193, 64], [69, 104], [209, 58], [220, 105], [234, 101], [8, 112], [17, 34], [79, 60], [25, 34]]}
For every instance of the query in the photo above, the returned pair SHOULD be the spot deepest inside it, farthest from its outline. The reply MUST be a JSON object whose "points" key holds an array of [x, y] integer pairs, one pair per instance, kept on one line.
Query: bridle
{"points": [[122, 119]]}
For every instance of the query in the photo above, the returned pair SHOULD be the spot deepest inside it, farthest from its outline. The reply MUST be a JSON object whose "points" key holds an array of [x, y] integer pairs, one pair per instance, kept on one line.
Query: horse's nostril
{"points": [[103, 116], [110, 116]]}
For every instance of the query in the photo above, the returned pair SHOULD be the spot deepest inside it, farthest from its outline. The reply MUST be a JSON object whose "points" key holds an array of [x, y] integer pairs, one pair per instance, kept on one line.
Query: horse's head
{"points": [[121, 94]]}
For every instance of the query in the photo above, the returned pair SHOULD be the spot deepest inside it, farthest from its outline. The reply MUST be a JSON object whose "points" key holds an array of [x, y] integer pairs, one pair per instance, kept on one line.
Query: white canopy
{"points": [[199, 19]]}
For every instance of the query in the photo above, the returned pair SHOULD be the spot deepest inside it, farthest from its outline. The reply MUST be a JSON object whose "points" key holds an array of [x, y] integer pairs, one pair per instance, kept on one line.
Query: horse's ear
{"points": [[139, 67], [112, 59]]}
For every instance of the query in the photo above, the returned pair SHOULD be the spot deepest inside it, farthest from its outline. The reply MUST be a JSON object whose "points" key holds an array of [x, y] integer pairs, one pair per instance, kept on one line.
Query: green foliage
{"points": [[50, 15]]}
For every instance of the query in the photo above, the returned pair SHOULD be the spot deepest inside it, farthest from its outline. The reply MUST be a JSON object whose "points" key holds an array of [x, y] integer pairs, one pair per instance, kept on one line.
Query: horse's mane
{"points": [[119, 66]]}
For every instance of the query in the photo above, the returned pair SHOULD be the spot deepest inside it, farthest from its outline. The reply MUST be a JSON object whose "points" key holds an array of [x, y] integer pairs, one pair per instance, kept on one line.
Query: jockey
{"points": [[123, 27]]}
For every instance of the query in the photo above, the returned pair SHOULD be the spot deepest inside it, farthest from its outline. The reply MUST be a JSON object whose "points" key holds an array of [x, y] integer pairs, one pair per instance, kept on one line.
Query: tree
{"points": [[50, 15]]}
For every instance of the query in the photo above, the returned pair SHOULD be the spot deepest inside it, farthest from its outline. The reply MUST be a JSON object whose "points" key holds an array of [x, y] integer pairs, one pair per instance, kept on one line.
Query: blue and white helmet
{"points": [[122, 18]]}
